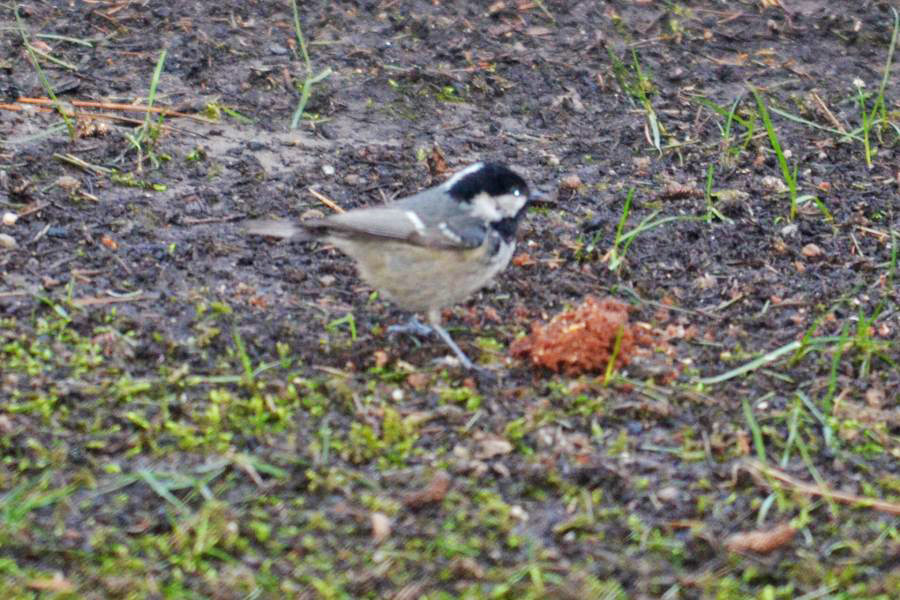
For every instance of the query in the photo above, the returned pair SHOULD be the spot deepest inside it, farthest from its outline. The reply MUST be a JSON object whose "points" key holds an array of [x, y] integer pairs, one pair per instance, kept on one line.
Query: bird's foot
{"points": [[483, 373], [411, 327], [419, 329]]}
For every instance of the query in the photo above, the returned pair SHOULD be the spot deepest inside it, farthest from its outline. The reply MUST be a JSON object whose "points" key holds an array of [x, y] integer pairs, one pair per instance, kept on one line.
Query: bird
{"points": [[430, 250]]}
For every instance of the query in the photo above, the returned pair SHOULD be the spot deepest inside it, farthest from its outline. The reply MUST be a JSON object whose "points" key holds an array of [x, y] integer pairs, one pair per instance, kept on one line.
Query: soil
{"points": [[186, 411]]}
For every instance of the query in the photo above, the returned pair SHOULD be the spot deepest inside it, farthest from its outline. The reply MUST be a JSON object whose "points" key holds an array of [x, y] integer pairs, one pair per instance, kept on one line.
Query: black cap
{"points": [[495, 179]]}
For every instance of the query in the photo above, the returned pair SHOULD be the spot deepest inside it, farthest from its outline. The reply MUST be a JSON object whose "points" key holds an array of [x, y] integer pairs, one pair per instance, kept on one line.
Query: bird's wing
{"points": [[460, 232]]}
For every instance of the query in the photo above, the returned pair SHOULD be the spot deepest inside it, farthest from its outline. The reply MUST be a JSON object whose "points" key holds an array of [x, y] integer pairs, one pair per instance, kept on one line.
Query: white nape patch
{"points": [[460, 174], [448, 233], [484, 206], [416, 221]]}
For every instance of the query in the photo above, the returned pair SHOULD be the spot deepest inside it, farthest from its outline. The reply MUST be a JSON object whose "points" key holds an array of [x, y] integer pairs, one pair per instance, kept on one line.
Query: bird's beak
{"points": [[536, 197]]}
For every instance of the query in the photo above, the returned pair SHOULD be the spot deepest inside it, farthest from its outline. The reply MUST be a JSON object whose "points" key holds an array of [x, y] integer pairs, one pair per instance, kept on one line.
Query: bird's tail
{"points": [[275, 228]]}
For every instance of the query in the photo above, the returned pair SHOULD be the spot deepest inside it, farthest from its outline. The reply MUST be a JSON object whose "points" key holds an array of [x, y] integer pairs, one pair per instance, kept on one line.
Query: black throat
{"points": [[506, 227]]}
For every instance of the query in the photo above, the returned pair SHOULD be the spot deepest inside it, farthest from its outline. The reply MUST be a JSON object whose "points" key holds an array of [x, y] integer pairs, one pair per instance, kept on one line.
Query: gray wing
{"points": [[394, 222], [384, 223], [424, 219]]}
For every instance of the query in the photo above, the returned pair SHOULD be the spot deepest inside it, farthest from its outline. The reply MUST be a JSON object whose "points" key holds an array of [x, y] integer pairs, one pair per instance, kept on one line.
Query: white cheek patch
{"points": [[511, 204], [485, 207], [416, 221]]}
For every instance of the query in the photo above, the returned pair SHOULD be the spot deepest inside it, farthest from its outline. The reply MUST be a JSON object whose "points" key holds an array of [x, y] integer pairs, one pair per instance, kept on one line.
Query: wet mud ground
{"points": [[186, 412]]}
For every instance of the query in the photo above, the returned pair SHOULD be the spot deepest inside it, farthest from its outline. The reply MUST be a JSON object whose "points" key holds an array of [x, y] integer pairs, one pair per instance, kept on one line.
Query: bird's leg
{"points": [[464, 360], [412, 327], [434, 319], [417, 328]]}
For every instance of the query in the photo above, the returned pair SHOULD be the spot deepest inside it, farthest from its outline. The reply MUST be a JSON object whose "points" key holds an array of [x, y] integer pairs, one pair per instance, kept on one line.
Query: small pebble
{"points": [[570, 182], [381, 527], [328, 170], [668, 494], [789, 230], [10, 218], [812, 251], [705, 282], [518, 513], [773, 184], [677, 74], [641, 165], [7, 241], [69, 183]]}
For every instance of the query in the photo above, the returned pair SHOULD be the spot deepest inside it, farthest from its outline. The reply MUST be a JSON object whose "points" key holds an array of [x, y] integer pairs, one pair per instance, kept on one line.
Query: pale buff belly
{"points": [[421, 279]]}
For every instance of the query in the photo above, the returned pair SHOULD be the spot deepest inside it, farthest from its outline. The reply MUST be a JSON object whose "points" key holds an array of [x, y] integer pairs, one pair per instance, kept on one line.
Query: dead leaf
{"points": [[57, 584], [496, 7], [875, 397], [491, 314], [417, 380], [675, 190], [41, 46], [381, 358], [705, 282], [69, 183], [109, 242], [433, 493], [570, 182], [538, 31], [492, 446], [523, 260], [812, 251], [761, 541], [437, 164], [466, 567]]}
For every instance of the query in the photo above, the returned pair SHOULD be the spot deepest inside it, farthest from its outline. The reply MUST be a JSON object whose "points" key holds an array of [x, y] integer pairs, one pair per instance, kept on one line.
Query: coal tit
{"points": [[429, 250]]}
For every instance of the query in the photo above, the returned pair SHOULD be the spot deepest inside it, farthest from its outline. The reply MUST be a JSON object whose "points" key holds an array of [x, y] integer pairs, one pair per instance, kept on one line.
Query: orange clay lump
{"points": [[583, 339]]}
